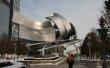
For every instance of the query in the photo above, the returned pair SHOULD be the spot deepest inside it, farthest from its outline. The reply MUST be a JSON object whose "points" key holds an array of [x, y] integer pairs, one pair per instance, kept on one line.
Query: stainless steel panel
{"points": [[62, 24], [41, 25], [37, 31], [64, 21], [42, 31], [46, 34], [22, 20]]}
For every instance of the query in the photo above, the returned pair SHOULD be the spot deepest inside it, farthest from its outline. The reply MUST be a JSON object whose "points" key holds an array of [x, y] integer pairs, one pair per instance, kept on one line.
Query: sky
{"points": [[82, 13]]}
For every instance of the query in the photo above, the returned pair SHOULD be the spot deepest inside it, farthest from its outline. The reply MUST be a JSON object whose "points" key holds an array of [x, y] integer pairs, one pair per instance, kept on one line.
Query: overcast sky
{"points": [[82, 13]]}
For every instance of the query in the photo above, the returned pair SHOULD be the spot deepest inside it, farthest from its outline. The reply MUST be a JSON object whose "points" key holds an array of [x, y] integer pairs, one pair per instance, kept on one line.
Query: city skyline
{"points": [[83, 14]]}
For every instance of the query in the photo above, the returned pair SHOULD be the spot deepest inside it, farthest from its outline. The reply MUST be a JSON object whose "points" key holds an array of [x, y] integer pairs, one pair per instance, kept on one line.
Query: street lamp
{"points": [[15, 49], [89, 47], [28, 46]]}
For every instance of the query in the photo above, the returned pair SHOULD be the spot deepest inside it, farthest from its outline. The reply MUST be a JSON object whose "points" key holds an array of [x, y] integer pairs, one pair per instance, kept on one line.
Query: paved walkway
{"points": [[77, 64], [63, 65]]}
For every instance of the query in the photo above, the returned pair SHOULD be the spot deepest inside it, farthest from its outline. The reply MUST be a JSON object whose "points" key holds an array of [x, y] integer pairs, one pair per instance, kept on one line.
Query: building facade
{"points": [[16, 5], [20, 27], [17, 26], [4, 17], [7, 27]]}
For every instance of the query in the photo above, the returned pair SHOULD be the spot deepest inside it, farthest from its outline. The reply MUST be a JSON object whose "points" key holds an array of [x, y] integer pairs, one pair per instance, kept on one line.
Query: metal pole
{"points": [[15, 50], [89, 48], [28, 45], [104, 56], [89, 52], [43, 49]]}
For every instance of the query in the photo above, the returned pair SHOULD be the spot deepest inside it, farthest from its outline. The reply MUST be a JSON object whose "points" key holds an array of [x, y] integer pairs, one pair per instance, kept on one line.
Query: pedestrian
{"points": [[70, 59]]}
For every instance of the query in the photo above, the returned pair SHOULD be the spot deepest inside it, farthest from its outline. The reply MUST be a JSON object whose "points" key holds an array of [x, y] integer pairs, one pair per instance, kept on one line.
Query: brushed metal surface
{"points": [[62, 24], [33, 30], [43, 31]]}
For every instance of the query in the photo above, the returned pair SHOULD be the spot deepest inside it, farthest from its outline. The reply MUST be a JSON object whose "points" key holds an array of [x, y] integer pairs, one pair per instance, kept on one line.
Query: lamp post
{"points": [[28, 46], [15, 49], [89, 47]]}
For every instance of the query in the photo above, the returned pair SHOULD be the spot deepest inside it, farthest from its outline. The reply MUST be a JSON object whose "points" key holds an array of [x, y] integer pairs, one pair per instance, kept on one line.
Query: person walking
{"points": [[70, 60]]}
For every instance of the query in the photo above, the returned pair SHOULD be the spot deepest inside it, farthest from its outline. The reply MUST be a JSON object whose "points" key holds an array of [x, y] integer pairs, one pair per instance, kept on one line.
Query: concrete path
{"points": [[77, 64]]}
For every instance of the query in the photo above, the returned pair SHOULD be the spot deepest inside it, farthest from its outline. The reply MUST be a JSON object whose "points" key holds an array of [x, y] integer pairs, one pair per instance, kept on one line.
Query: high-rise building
{"points": [[6, 12], [16, 5], [14, 27], [4, 17]]}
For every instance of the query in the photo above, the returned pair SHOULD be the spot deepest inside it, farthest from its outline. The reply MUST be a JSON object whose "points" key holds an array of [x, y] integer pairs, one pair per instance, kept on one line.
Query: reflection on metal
{"points": [[22, 20], [41, 25], [62, 25], [36, 31], [46, 34]]}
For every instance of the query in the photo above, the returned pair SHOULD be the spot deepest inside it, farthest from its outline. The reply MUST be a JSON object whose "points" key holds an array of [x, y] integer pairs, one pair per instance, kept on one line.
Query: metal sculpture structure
{"points": [[33, 30], [63, 28], [54, 28]]}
